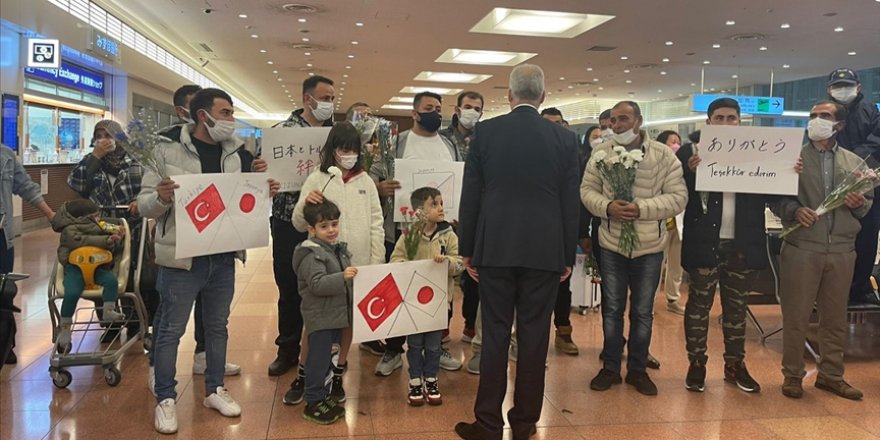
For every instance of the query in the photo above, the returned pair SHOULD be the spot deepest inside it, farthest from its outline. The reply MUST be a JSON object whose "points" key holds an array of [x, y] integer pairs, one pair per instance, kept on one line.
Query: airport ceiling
{"points": [[373, 48]]}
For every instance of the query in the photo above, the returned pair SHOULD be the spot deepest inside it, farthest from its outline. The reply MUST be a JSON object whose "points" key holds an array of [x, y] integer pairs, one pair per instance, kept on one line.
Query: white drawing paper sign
{"points": [[216, 213], [757, 160], [399, 299], [292, 153], [415, 174]]}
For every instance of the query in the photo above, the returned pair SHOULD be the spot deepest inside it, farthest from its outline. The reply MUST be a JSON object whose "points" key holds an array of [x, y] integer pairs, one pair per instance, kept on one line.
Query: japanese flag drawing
{"points": [[216, 213], [399, 299]]}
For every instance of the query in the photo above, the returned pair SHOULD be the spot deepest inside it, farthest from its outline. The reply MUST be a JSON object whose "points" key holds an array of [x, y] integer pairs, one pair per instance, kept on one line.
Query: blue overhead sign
{"points": [[754, 105], [71, 76]]}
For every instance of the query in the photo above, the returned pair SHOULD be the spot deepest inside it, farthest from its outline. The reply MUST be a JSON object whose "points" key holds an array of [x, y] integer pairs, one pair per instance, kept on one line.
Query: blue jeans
{"points": [[640, 276], [212, 277], [423, 354], [318, 363]]}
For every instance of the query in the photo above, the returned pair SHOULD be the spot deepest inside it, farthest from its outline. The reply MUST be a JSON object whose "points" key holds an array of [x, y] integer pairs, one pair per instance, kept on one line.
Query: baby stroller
{"points": [[85, 350]]}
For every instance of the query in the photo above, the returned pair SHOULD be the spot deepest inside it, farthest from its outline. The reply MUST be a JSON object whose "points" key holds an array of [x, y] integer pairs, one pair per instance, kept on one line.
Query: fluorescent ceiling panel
{"points": [[483, 57], [452, 77], [403, 99], [437, 90], [534, 23], [398, 106]]}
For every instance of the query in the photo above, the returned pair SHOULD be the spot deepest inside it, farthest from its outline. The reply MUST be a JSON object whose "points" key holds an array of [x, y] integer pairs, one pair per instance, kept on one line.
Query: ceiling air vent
{"points": [[309, 47], [500, 87], [642, 66], [746, 37], [582, 83], [299, 8], [601, 49]]}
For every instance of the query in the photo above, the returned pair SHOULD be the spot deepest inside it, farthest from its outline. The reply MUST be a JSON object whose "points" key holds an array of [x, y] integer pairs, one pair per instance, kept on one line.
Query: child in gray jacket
{"points": [[323, 267]]}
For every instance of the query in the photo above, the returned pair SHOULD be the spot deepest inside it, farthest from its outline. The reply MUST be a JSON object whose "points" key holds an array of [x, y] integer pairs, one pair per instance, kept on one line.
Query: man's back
{"points": [[519, 205]]}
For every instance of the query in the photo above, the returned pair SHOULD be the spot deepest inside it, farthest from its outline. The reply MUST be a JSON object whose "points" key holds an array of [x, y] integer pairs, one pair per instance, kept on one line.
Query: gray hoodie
{"points": [[326, 296]]}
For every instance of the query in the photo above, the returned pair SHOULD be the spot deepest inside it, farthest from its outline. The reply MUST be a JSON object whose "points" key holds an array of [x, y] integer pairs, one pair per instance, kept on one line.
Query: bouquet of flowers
{"points": [[591, 269], [619, 170], [141, 140], [860, 180], [366, 124], [412, 231], [386, 134]]}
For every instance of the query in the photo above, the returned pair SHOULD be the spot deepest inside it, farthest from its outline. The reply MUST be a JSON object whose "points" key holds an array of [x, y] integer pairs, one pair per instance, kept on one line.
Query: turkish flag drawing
{"points": [[205, 208], [425, 296], [380, 303]]}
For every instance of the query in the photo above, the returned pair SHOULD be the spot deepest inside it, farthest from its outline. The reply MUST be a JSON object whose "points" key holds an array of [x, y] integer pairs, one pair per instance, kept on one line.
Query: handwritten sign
{"points": [[415, 174], [757, 160], [292, 153], [216, 213], [399, 299]]}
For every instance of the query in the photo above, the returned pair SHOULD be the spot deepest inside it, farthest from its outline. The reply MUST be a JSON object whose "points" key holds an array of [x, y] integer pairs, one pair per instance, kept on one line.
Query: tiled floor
{"points": [[32, 408]]}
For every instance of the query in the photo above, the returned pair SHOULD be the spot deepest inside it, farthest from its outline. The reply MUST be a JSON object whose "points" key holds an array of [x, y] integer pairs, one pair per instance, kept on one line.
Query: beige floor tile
{"points": [[815, 428], [632, 431], [724, 430]]}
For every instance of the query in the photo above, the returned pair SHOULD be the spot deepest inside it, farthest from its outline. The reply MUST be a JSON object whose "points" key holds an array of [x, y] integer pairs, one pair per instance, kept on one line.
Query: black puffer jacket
{"points": [[861, 135]]}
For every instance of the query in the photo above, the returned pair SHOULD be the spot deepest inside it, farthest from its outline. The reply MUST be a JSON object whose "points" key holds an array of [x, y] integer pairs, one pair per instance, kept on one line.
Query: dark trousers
{"points": [[529, 295], [470, 290], [563, 305], [318, 363], [7, 256], [290, 321], [866, 251]]}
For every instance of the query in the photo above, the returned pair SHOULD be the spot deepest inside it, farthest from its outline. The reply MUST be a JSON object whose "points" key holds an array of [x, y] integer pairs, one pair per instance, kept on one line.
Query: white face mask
{"points": [[469, 117], [323, 111], [222, 130], [625, 138], [607, 134], [844, 95], [595, 142], [347, 161], [820, 129]]}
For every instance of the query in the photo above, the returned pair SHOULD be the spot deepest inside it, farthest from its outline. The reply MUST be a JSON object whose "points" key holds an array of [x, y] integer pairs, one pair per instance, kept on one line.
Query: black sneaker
{"points": [[416, 396], [281, 365], [324, 412], [432, 390], [652, 362], [604, 380], [642, 383], [337, 393], [294, 395], [696, 378], [736, 373]]}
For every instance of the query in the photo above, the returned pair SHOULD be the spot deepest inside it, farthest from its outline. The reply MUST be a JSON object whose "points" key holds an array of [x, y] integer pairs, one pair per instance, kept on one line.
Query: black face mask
{"points": [[430, 121]]}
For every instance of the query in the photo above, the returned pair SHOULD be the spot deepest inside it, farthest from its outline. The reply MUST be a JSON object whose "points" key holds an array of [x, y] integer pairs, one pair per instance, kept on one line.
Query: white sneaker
{"points": [[223, 402], [200, 364], [151, 381], [449, 363], [165, 419]]}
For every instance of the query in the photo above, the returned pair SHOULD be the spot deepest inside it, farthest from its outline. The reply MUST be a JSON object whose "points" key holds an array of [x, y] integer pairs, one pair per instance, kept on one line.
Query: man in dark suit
{"points": [[519, 218]]}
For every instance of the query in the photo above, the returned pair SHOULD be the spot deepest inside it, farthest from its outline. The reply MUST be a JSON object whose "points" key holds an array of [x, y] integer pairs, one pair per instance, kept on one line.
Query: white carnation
{"points": [[637, 155], [619, 150], [599, 156]]}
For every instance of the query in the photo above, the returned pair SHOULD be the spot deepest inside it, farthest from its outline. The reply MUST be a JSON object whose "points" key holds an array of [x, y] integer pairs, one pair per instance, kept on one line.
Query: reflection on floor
{"points": [[32, 408]]}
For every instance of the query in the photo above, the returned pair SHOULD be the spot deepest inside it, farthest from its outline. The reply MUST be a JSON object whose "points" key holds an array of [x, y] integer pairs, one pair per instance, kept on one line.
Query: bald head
{"points": [[527, 84]]}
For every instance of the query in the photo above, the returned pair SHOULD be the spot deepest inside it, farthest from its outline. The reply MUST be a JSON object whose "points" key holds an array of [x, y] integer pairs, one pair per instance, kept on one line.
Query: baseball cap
{"points": [[843, 75]]}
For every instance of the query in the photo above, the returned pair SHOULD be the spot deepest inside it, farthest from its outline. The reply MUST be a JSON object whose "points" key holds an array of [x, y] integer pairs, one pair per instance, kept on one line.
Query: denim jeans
{"points": [[74, 284], [212, 277], [198, 327], [318, 363], [640, 276], [423, 354]]}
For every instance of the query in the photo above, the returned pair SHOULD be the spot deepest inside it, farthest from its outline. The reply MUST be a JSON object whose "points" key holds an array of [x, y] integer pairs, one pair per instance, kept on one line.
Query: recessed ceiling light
{"points": [[838, 29], [762, 48], [348, 67], [625, 70], [629, 81], [785, 66], [589, 69], [665, 60], [659, 90], [595, 79], [601, 88], [308, 64], [730, 22], [306, 40], [624, 58], [716, 46], [263, 51], [355, 42], [311, 73], [345, 75], [438, 90], [526, 22], [454, 77], [562, 78], [784, 26], [707, 62], [342, 88], [669, 43], [663, 72], [242, 15], [485, 57], [570, 87], [851, 53], [712, 89], [359, 24], [398, 106], [693, 84], [308, 54], [279, 80], [351, 56], [344, 83], [301, 20], [269, 62], [275, 71], [255, 36], [734, 76], [341, 94]]}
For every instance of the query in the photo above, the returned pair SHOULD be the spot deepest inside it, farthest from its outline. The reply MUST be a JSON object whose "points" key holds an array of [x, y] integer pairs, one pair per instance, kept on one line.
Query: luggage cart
{"points": [[88, 351]]}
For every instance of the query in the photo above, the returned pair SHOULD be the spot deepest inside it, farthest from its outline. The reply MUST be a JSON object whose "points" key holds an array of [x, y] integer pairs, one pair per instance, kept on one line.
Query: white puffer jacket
{"points": [[178, 156], [361, 223], [659, 191]]}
